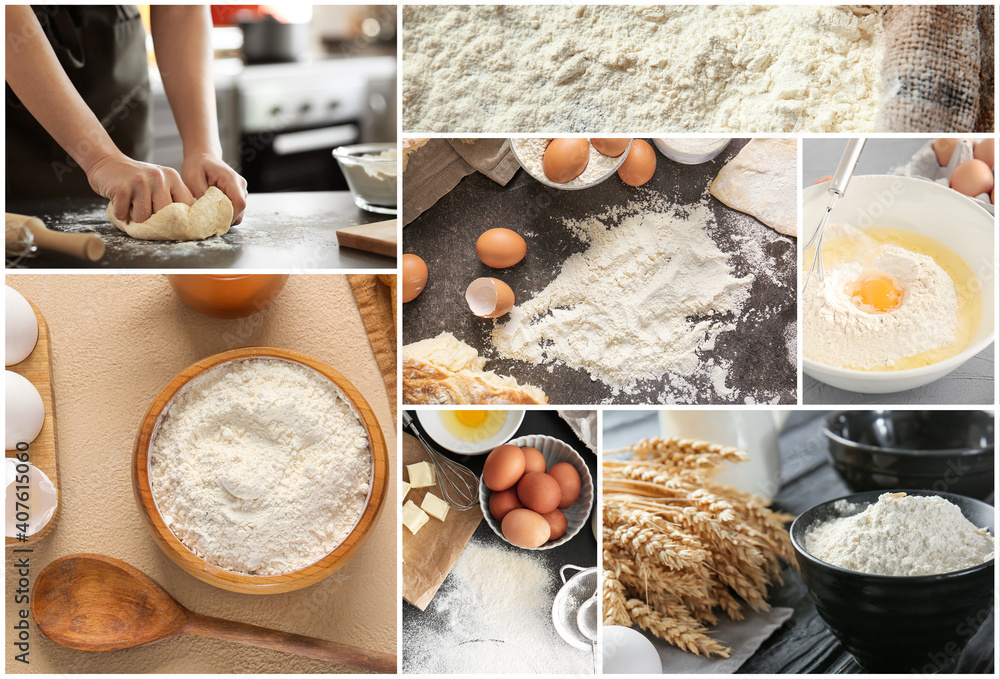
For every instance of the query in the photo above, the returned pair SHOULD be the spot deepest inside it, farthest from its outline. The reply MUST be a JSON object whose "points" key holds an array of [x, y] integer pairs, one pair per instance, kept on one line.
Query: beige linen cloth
{"points": [[938, 69]]}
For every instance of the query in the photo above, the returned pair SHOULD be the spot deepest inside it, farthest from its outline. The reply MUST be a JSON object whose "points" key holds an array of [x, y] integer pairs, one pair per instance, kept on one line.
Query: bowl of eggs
{"points": [[907, 294], [573, 163], [536, 492], [470, 432]]}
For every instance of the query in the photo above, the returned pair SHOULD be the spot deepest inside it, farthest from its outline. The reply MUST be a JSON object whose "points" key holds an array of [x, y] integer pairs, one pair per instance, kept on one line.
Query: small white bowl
{"points": [[554, 451], [926, 208], [372, 181], [431, 423], [570, 187]]}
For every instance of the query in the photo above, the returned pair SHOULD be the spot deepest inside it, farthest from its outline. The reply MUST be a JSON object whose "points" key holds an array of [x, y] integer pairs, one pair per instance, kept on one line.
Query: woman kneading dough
{"points": [[78, 116]]}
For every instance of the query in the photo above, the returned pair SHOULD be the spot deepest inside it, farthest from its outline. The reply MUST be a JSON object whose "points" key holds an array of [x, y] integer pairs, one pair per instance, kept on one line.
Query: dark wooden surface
{"points": [[445, 238], [579, 551], [279, 230], [803, 644]]}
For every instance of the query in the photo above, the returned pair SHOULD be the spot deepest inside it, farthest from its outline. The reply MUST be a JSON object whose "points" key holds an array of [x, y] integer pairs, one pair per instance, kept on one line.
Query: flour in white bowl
{"points": [[835, 332], [902, 535], [531, 152], [260, 466]]}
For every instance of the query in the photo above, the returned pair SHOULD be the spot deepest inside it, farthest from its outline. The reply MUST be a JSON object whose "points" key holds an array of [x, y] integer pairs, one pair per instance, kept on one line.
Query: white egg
{"points": [[627, 651], [25, 412], [42, 500], [21, 327]]}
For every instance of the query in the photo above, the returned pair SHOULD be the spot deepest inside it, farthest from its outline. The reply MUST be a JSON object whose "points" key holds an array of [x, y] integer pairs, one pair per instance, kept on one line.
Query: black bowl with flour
{"points": [[895, 624], [941, 450]]}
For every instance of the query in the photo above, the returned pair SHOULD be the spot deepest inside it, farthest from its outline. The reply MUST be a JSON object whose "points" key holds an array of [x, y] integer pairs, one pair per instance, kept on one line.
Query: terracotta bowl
{"points": [[242, 582], [227, 296]]}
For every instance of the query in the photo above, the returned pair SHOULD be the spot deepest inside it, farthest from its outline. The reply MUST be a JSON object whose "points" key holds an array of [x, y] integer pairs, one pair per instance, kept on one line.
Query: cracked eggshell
{"points": [[41, 493], [489, 297], [20, 327], [24, 410]]}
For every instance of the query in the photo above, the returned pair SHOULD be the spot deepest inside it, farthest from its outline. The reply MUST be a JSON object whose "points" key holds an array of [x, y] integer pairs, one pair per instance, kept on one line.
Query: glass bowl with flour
{"points": [[260, 470], [372, 174]]}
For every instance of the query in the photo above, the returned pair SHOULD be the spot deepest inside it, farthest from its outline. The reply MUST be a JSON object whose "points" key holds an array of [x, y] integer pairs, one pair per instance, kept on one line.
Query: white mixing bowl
{"points": [[927, 208]]}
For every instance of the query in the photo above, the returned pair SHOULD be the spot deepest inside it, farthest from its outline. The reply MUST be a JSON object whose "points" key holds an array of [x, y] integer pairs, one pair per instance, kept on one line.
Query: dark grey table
{"points": [[279, 231], [580, 551], [445, 238], [804, 644]]}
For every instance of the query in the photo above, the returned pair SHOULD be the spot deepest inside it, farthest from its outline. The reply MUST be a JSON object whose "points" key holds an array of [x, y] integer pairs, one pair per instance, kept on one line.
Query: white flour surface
{"points": [[837, 333], [619, 68], [902, 535], [260, 466], [492, 615]]}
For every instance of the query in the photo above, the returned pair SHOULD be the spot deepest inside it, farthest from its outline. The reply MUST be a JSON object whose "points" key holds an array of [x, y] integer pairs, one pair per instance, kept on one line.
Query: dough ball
{"points": [[21, 327], [25, 412], [210, 215]]}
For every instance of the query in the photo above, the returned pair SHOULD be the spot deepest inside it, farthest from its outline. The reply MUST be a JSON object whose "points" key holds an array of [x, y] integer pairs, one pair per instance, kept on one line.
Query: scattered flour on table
{"points": [[492, 615], [531, 152], [901, 535], [549, 68], [260, 466]]}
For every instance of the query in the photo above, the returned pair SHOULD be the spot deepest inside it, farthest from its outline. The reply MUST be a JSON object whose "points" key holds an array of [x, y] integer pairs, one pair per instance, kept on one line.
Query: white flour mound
{"points": [[644, 299], [836, 332], [260, 466], [532, 151], [902, 535], [493, 615], [679, 68]]}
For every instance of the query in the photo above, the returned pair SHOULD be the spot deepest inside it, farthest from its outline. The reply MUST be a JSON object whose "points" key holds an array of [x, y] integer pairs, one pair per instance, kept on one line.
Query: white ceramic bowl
{"points": [[431, 423], [554, 451], [569, 187], [926, 208]]}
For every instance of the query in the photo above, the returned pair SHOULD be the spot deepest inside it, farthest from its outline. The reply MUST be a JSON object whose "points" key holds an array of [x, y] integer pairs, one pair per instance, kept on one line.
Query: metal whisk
{"points": [[838, 187], [459, 485]]}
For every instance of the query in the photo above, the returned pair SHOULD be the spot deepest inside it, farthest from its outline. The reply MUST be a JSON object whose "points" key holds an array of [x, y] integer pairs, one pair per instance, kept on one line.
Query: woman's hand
{"points": [[202, 170], [136, 190]]}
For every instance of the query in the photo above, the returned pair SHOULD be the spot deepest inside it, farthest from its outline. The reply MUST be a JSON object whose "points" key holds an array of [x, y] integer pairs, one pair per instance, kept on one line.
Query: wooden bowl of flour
{"points": [[233, 580]]}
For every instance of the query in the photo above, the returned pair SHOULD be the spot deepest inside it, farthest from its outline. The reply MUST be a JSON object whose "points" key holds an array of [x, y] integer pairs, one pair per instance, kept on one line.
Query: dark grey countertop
{"points": [[279, 230], [445, 237]]}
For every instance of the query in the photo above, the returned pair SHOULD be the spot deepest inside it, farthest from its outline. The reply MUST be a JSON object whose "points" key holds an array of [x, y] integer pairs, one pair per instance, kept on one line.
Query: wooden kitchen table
{"points": [[279, 231]]}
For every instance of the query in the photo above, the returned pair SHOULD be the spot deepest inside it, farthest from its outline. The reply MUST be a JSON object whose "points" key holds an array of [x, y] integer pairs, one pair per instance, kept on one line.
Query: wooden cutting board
{"points": [[378, 237], [37, 368]]}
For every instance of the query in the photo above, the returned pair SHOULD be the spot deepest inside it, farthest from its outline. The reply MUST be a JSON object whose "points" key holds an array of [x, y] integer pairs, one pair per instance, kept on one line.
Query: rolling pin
{"points": [[85, 246]]}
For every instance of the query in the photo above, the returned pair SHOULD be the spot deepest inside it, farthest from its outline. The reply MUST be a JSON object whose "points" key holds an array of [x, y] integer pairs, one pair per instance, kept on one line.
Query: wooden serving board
{"points": [[379, 237], [37, 368]]}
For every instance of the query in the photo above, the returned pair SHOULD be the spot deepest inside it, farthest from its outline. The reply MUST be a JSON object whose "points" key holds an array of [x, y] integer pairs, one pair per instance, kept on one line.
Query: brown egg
{"points": [[500, 248], [489, 297], [565, 159], [610, 147], [972, 178], [557, 524], [984, 151], [414, 277], [538, 492], [943, 148], [639, 165], [534, 461], [502, 502], [568, 480], [503, 467], [525, 528]]}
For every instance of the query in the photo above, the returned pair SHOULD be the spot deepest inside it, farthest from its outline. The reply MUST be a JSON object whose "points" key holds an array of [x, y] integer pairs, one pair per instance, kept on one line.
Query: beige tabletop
{"points": [[116, 342]]}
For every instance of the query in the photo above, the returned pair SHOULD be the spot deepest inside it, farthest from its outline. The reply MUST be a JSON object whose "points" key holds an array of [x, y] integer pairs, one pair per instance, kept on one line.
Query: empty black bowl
{"points": [[947, 451], [896, 624]]}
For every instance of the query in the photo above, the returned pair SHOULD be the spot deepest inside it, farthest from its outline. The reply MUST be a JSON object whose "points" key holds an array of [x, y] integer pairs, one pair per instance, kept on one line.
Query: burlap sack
{"points": [[938, 69]]}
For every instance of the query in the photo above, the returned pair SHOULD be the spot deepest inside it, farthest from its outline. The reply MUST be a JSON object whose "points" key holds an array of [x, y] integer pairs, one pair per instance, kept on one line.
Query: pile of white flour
{"points": [[646, 298], [532, 151], [902, 535], [493, 615], [679, 68], [260, 466]]}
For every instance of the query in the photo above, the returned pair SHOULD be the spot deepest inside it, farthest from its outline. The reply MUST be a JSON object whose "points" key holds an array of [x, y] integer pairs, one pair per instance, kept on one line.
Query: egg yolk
{"points": [[876, 292], [471, 418]]}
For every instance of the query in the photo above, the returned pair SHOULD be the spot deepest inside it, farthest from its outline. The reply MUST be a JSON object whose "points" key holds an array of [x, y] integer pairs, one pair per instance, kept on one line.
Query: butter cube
{"points": [[406, 489], [435, 506], [413, 516], [421, 474]]}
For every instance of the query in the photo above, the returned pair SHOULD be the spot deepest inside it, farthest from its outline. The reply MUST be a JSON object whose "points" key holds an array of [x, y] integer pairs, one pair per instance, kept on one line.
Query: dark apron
{"points": [[103, 51]]}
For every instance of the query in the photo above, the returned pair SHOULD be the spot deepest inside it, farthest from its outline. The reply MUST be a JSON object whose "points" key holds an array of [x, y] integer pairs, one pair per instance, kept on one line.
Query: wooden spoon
{"points": [[93, 602]]}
